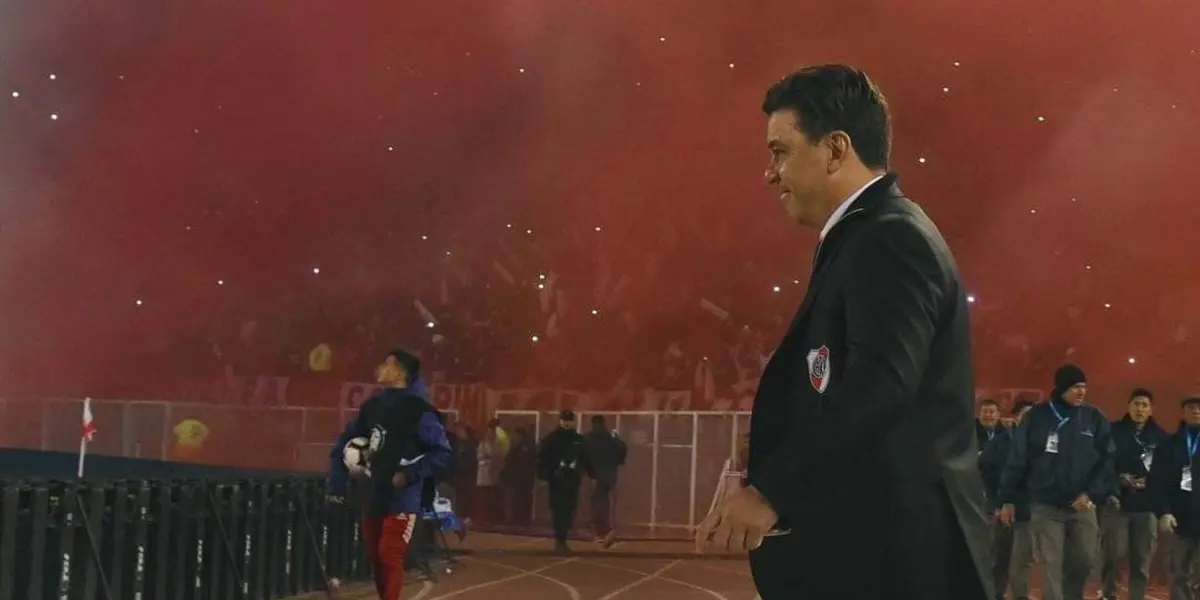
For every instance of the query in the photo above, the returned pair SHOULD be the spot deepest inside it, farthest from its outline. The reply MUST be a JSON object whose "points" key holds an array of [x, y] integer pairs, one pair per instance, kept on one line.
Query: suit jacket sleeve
{"points": [[895, 293]]}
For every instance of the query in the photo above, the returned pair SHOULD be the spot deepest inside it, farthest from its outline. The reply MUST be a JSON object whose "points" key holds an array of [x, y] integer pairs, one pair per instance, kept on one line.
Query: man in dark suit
{"points": [[862, 466]]}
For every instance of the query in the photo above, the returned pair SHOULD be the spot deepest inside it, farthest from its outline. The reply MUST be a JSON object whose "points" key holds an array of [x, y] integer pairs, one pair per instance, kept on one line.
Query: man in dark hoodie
{"points": [[1012, 545], [407, 446], [606, 452], [1129, 523], [1062, 454], [562, 462], [1175, 502]]}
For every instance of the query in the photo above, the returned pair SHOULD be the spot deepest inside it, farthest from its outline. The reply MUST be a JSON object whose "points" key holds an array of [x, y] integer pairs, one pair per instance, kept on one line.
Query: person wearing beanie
{"points": [[1062, 454], [407, 445], [1012, 545], [1176, 504], [1129, 526], [562, 462]]}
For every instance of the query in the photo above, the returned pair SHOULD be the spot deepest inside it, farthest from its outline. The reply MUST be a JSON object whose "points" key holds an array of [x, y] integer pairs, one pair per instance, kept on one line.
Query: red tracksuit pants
{"points": [[386, 541]]}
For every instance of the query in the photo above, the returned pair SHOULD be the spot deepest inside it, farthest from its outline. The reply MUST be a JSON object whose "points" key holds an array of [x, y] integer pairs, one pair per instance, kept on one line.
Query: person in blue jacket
{"points": [[1012, 546], [1063, 455], [407, 445]]}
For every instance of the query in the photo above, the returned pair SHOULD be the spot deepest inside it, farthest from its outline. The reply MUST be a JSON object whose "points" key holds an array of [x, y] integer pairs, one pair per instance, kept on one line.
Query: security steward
{"points": [[1178, 507], [1012, 548], [562, 463], [1062, 453], [1129, 526]]}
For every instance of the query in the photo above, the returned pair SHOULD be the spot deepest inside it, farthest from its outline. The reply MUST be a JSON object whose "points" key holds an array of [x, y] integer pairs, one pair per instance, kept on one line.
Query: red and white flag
{"points": [[89, 424]]}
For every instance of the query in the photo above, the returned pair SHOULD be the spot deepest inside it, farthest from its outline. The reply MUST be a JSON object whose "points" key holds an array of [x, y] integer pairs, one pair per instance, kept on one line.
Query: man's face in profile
{"points": [[798, 170]]}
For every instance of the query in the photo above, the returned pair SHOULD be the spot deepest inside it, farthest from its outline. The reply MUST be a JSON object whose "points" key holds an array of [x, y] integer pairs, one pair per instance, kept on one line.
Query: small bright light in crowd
{"points": [[796, 281], [542, 276], [956, 63], [1033, 211], [662, 39], [541, 286], [447, 253], [595, 312], [1041, 119], [971, 298], [429, 324], [1132, 360], [529, 232], [509, 226], [1107, 305], [520, 70], [597, 228], [16, 94], [1072, 199], [534, 338], [316, 270], [137, 302], [424, 237], [220, 282], [1088, 267], [731, 65], [54, 116], [775, 289], [921, 159], [704, 358], [946, 90], [53, 77], [391, 148]]}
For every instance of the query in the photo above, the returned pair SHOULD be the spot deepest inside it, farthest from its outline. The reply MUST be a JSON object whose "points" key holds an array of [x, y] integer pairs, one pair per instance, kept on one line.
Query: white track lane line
{"points": [[647, 577], [710, 592], [571, 590], [426, 588], [488, 584]]}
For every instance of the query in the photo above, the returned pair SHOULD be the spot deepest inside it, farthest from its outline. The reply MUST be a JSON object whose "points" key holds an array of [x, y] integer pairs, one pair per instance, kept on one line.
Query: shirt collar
{"points": [[845, 206]]}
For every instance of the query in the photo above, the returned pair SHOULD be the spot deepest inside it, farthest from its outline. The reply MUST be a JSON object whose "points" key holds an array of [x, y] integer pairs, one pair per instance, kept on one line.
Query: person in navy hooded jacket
{"points": [[407, 446]]}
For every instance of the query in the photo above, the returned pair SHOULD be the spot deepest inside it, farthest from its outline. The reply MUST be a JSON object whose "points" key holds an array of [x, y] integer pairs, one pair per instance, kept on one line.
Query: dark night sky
{"points": [[251, 142]]}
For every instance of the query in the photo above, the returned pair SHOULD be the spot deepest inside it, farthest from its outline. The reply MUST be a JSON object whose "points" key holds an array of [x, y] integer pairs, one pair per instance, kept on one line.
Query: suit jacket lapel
{"points": [[826, 250]]}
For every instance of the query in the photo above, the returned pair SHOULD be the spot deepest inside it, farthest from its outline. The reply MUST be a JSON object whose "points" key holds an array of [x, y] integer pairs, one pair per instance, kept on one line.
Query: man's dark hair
{"points": [[410, 363], [988, 402], [1141, 391], [830, 98]]}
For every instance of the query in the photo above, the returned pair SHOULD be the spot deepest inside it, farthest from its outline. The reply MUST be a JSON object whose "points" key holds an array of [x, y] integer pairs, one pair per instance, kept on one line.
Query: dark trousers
{"points": [[1065, 542], [1127, 534], [564, 498], [602, 497], [1002, 554]]}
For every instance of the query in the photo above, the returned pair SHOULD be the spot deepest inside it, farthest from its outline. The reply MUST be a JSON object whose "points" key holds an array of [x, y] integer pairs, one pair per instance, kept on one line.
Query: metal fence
{"points": [[672, 470], [286, 438]]}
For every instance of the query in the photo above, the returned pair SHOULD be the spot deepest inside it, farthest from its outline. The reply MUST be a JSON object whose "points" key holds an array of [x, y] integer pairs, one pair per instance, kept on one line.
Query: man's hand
{"points": [[738, 523], [1114, 502], [399, 480], [1127, 480], [1167, 523], [1082, 503], [358, 471], [332, 499], [1139, 483], [1005, 515]]}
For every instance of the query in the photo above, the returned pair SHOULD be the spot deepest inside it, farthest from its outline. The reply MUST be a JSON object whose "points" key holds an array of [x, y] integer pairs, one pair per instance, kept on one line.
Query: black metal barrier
{"points": [[174, 540]]}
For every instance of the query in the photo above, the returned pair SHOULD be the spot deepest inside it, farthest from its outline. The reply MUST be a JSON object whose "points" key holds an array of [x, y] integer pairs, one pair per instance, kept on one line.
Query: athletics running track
{"points": [[514, 569]]}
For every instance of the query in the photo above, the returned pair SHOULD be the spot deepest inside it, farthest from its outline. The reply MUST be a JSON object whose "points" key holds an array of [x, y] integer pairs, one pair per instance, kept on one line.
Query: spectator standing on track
{"points": [[490, 458], [1062, 453], [562, 463], [1172, 491], [1012, 549], [606, 452], [1129, 526]]}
